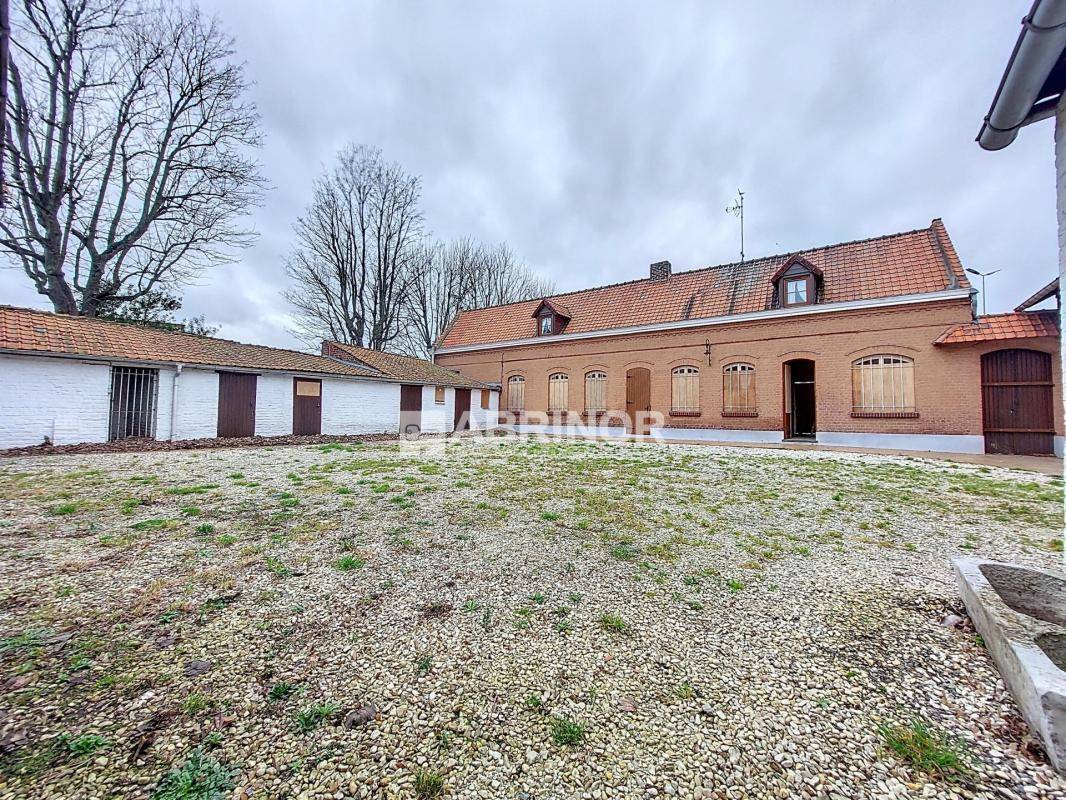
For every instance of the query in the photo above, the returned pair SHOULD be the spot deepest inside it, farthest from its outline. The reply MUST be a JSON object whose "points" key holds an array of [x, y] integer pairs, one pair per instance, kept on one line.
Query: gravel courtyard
{"points": [[505, 618]]}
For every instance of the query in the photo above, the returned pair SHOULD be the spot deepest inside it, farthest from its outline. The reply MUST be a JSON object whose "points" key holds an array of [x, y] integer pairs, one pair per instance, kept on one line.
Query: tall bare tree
{"points": [[358, 246], [460, 275], [129, 135]]}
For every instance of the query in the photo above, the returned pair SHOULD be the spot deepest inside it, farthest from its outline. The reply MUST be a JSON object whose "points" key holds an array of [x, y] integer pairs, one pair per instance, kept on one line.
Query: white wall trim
{"points": [[751, 316], [934, 443]]}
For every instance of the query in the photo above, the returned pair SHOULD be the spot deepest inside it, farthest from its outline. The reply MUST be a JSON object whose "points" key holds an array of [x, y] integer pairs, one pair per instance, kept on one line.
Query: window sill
{"points": [[740, 413], [685, 413], [884, 414], [593, 414]]}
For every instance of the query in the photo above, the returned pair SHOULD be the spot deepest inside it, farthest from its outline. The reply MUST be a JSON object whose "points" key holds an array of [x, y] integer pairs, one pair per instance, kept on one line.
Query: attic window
{"points": [[797, 282], [551, 318], [546, 325]]}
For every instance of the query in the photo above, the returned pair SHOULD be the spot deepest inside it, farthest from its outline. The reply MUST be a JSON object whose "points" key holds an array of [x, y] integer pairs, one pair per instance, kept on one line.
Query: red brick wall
{"points": [[947, 379]]}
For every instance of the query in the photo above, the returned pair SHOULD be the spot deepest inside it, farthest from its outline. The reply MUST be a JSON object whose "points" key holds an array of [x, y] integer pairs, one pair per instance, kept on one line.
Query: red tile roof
{"points": [[914, 262], [404, 368], [29, 331], [994, 327]]}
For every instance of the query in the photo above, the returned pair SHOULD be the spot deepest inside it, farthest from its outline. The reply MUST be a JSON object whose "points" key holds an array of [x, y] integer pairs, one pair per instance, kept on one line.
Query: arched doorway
{"points": [[1016, 402], [800, 417]]}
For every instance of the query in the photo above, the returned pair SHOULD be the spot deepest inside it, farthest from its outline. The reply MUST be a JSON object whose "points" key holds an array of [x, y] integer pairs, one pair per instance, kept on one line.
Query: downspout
{"points": [[1017, 102], [174, 400]]}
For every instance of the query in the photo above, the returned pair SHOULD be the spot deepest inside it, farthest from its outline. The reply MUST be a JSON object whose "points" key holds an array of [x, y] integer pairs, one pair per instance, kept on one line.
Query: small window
{"points": [[685, 391], [738, 390], [438, 394], [596, 392], [516, 393], [558, 392], [484, 398], [882, 384], [546, 325], [796, 291], [134, 392]]}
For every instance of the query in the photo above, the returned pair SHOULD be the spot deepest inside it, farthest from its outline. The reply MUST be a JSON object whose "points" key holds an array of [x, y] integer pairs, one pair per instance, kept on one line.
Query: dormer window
{"points": [[796, 283], [551, 318]]}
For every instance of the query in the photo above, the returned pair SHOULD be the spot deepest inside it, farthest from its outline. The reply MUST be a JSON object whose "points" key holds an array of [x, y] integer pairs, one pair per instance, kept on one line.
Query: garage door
{"points": [[1016, 391]]}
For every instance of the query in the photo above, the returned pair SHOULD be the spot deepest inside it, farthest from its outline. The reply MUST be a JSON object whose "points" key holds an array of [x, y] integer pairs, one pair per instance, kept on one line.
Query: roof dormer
{"points": [[551, 318], [796, 283]]}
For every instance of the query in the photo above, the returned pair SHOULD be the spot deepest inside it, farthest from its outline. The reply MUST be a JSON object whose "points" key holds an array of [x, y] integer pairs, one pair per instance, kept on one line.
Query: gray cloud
{"points": [[598, 137]]}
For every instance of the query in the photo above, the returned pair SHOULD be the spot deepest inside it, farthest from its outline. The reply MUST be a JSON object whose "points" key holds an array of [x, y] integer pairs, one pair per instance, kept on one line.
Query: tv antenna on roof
{"points": [[737, 210]]}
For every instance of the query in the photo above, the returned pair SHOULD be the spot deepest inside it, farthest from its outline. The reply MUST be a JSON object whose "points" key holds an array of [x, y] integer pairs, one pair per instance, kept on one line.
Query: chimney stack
{"points": [[660, 271]]}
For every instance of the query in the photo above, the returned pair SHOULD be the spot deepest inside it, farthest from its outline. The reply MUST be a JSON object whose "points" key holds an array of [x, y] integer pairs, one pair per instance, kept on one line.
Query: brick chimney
{"points": [[660, 271]]}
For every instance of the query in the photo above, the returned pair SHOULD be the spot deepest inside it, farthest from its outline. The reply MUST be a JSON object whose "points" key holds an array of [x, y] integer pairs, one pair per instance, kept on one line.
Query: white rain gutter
{"points": [[174, 400], [1017, 102]]}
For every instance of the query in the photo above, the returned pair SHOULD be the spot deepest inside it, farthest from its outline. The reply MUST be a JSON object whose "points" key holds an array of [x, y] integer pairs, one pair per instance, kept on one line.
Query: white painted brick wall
{"points": [[273, 404], [197, 416], [58, 398], [353, 406], [484, 418], [437, 418], [1060, 186]]}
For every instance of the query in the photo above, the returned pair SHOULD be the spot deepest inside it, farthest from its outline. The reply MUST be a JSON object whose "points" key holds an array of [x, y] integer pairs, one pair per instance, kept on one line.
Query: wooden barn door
{"points": [[306, 406], [1016, 391], [410, 411], [638, 399], [462, 410], [236, 404]]}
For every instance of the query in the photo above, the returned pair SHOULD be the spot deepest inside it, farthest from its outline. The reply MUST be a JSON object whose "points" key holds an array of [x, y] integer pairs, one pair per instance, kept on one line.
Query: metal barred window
{"points": [[882, 384], [596, 391], [738, 389], [558, 392], [516, 393], [685, 391], [134, 394]]}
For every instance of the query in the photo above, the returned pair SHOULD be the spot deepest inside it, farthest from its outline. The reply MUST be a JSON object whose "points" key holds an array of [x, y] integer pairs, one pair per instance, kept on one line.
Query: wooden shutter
{"points": [[686, 390], [558, 392]]}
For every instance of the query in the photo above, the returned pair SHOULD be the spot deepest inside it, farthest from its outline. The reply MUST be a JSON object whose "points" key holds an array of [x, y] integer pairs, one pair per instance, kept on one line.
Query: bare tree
{"points": [[460, 275], [358, 246], [128, 134]]}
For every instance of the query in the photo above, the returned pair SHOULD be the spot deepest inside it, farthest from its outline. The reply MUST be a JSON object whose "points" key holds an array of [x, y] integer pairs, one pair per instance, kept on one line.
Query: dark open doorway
{"points": [[801, 421], [462, 410]]}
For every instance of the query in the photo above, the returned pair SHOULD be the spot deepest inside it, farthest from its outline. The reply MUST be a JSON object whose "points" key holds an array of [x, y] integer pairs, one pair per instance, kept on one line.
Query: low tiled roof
{"points": [[400, 367], [994, 327], [30, 331], [1045, 292], [915, 262]]}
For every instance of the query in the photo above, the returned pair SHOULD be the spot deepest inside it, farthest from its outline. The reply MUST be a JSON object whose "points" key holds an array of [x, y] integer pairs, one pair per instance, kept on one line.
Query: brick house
{"points": [[72, 380], [870, 343]]}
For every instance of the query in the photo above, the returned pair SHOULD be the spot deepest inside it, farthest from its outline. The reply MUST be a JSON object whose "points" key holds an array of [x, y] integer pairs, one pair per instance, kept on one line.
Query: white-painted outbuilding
{"points": [[72, 380]]}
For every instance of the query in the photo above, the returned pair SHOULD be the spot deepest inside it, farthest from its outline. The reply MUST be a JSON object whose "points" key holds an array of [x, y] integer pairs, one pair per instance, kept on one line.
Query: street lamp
{"points": [[984, 297]]}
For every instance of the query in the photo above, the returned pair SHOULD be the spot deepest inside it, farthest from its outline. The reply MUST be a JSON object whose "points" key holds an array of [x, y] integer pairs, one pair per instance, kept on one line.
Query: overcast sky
{"points": [[598, 137]]}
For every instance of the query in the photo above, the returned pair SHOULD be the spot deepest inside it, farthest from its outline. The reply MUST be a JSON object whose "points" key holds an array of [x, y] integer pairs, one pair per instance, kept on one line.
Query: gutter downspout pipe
{"points": [[1041, 43], [174, 400]]}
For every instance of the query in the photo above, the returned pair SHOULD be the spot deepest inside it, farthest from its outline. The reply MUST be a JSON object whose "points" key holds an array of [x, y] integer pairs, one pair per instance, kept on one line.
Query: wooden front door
{"points": [[306, 406], [1016, 402], [462, 410], [638, 399], [236, 404], [410, 411]]}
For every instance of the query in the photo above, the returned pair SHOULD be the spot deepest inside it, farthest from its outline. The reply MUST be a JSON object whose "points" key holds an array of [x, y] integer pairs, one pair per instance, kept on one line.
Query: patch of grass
{"points": [[428, 784], [613, 623], [311, 717], [236, 476], [155, 524], [424, 664], [200, 777], [349, 562], [190, 511], [181, 491], [684, 691], [127, 506], [205, 527], [279, 569], [470, 606], [566, 732], [623, 551], [924, 749], [85, 744], [194, 704], [65, 509], [279, 691], [549, 516], [226, 539], [734, 585]]}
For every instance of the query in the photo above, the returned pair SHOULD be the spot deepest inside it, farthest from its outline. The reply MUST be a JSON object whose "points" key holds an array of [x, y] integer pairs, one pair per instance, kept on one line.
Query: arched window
{"points": [[595, 391], [516, 393], [882, 384], [685, 391], [738, 390], [558, 391]]}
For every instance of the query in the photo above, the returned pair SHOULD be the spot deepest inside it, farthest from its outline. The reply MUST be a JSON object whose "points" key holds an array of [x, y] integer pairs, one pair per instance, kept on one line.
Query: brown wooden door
{"points": [[638, 399], [410, 411], [1016, 392], [306, 406], [236, 404], [462, 410]]}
